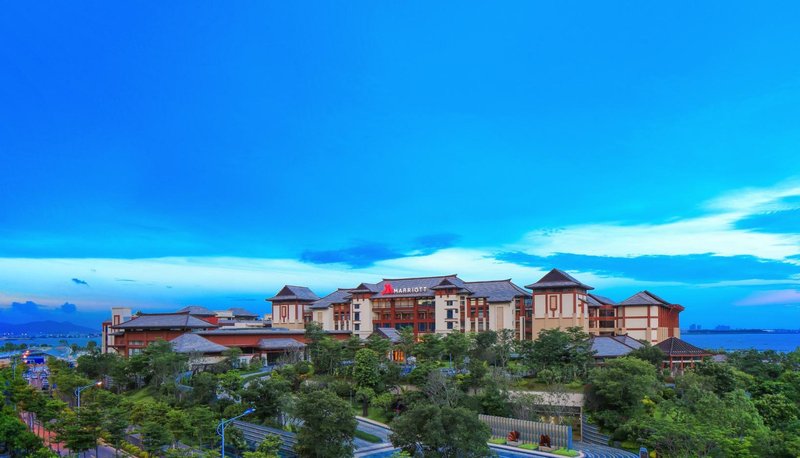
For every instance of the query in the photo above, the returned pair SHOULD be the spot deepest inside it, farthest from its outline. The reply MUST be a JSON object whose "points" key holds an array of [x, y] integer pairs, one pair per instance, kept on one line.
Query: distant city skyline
{"points": [[210, 154]]}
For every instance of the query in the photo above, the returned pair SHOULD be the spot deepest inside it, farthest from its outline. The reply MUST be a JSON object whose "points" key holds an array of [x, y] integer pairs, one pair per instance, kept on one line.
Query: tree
{"points": [[430, 347], [777, 410], [154, 436], [15, 439], [456, 345], [649, 353], [618, 389], [505, 346], [268, 398], [567, 353], [328, 425], [379, 345], [231, 384], [204, 388], [441, 432], [408, 341], [366, 370], [179, 425], [328, 355], [268, 448], [115, 422]]}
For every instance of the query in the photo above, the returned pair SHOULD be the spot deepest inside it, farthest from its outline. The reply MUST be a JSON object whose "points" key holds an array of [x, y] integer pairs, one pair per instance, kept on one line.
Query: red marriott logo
{"points": [[387, 289]]}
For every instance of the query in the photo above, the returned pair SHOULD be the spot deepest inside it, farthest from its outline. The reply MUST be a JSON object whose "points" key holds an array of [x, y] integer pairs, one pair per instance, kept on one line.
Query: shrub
{"points": [[498, 441], [565, 452], [529, 446]]}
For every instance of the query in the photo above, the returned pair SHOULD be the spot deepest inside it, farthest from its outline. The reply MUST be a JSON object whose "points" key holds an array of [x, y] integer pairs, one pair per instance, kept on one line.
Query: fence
{"points": [[530, 431], [254, 434]]}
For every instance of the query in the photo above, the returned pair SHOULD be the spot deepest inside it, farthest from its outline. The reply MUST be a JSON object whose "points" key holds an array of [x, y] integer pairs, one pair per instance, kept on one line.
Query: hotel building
{"points": [[445, 304]]}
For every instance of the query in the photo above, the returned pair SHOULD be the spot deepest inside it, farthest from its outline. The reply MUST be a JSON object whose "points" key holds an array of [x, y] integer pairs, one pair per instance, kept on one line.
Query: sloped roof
{"points": [[496, 290], [337, 297], [647, 298], [674, 346], [558, 279], [197, 310], [238, 311], [280, 344], [388, 333], [294, 293], [366, 288], [595, 300], [613, 346], [165, 320], [416, 287], [190, 342]]}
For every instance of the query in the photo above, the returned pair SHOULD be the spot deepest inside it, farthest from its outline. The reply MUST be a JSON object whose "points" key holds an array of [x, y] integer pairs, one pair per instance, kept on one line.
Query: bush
{"points": [[342, 388], [368, 437]]}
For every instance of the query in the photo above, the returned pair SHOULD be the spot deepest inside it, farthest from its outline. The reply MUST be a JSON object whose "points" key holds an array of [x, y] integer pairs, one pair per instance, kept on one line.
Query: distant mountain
{"points": [[45, 327]]}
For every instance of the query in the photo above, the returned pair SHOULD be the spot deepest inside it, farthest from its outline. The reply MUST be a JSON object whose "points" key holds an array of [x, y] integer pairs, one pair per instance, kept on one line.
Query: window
{"points": [[356, 327], [449, 314], [356, 305], [357, 316], [134, 351], [136, 343], [421, 327], [450, 303], [449, 325]]}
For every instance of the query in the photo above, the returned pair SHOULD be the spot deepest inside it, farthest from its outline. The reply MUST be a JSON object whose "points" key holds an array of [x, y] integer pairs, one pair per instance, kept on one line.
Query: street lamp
{"points": [[224, 424], [81, 388]]}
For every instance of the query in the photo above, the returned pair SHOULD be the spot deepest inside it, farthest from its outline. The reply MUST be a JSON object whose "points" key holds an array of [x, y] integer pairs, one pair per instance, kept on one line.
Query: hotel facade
{"points": [[445, 304]]}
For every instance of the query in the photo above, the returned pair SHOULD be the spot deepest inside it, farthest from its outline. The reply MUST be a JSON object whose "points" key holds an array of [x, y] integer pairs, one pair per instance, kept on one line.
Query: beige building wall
{"points": [[364, 308], [552, 310], [443, 304], [324, 318], [293, 316]]}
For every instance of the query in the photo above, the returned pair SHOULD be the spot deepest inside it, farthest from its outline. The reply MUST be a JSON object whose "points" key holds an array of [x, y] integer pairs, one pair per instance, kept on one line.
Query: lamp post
{"points": [[224, 424], [79, 390]]}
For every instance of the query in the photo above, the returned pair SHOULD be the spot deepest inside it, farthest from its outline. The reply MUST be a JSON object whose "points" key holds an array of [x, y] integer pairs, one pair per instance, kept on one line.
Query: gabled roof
{"points": [[165, 321], [189, 343], [648, 298], [280, 344], [197, 310], [595, 300], [496, 290], [388, 333], [294, 293], [366, 288], [674, 346], [613, 346], [558, 279], [339, 296], [240, 312]]}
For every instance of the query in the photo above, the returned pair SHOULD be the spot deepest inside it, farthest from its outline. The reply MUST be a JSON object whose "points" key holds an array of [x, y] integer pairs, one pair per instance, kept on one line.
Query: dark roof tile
{"points": [[558, 279]]}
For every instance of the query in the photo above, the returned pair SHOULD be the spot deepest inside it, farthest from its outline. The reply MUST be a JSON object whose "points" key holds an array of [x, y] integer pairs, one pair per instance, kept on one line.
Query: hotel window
{"points": [[356, 327], [449, 315], [355, 305], [450, 303], [449, 325], [421, 327], [357, 316], [136, 343]]}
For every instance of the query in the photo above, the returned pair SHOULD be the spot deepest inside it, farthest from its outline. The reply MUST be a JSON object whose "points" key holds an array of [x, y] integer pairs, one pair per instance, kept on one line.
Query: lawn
{"points": [[368, 437], [142, 394], [374, 413]]}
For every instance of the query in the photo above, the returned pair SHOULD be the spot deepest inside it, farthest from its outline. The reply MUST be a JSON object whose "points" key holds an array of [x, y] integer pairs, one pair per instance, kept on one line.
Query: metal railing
{"points": [[530, 431]]}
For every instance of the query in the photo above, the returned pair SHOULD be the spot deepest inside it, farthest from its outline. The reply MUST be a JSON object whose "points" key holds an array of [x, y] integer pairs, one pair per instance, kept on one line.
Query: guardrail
{"points": [[254, 434], [530, 431]]}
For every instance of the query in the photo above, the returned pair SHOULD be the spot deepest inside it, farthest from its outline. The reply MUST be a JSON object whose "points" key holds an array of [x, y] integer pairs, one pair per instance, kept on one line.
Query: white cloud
{"points": [[713, 233]]}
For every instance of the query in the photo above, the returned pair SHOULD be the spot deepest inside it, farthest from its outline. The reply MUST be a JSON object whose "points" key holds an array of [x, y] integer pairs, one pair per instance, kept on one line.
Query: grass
{"points": [[531, 384], [497, 441], [564, 452], [368, 437], [529, 446], [140, 395], [374, 413]]}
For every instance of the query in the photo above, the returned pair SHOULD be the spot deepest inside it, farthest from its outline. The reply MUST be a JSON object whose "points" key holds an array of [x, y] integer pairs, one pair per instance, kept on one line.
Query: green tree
{"points": [[408, 341], [328, 425], [116, 421], [649, 353], [430, 347], [456, 345], [379, 345], [777, 410], [366, 370], [268, 448], [154, 436], [441, 432], [618, 389], [267, 396]]}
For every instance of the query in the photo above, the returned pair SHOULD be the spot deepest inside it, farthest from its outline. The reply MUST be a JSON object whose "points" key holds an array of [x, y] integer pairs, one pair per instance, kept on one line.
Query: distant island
{"points": [[44, 328]]}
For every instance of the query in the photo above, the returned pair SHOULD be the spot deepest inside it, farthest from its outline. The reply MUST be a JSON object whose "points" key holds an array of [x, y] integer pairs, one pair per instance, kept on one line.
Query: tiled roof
{"points": [[295, 293], [280, 344], [165, 321], [674, 346], [595, 300], [388, 333], [190, 342], [238, 311], [646, 298], [415, 287], [496, 290], [558, 279], [612, 347], [366, 288], [197, 310], [337, 297]]}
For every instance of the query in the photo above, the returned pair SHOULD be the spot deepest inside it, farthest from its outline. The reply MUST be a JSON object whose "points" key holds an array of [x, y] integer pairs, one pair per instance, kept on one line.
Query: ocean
{"points": [[53, 341], [762, 341]]}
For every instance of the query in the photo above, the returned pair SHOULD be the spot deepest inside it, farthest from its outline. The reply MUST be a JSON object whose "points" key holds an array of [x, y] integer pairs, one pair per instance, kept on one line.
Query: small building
{"points": [[202, 352], [681, 354], [392, 336], [610, 347], [290, 307]]}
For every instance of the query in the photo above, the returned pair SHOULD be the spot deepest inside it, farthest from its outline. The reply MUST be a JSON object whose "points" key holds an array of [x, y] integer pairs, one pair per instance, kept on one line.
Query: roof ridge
{"points": [[488, 281]]}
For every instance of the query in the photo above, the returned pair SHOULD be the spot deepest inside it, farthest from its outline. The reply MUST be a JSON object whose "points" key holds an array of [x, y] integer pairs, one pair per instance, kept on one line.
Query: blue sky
{"points": [[199, 153]]}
